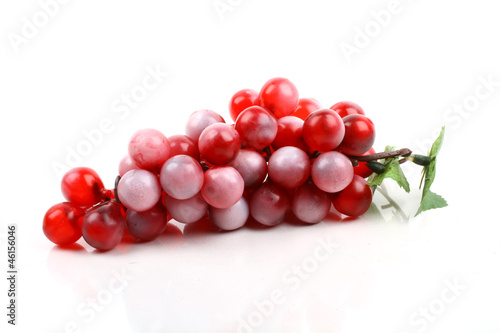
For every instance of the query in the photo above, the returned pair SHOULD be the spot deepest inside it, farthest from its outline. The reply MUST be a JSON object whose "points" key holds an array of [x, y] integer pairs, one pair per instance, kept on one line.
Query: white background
{"points": [[384, 271]]}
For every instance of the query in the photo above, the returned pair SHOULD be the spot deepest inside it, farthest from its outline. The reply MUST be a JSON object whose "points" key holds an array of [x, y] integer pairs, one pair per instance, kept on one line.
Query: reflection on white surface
{"points": [[293, 277]]}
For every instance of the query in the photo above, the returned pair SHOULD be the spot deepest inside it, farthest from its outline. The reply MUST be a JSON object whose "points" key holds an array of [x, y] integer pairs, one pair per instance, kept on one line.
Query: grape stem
{"points": [[404, 152], [117, 180]]}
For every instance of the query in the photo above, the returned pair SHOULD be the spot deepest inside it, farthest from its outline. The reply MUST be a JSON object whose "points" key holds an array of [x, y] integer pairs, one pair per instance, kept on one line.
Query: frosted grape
{"points": [[188, 210], [269, 204], [139, 190], [332, 171], [251, 166], [149, 149], [181, 177], [289, 167], [310, 204], [230, 218]]}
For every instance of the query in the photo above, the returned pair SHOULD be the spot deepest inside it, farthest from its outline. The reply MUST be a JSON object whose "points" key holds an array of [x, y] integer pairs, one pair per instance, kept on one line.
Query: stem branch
{"points": [[384, 155]]}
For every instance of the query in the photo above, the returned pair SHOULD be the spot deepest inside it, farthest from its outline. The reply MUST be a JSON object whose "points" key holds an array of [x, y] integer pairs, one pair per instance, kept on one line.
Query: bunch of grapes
{"points": [[283, 155]]}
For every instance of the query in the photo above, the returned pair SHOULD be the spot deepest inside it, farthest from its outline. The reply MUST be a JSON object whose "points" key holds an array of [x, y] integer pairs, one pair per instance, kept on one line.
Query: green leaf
{"points": [[436, 146], [431, 200], [392, 170]]}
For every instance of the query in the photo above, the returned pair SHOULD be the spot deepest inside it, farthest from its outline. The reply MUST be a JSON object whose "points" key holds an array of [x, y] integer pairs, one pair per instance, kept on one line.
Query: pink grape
{"points": [[149, 149], [251, 166], [289, 167], [269, 204], [199, 120], [310, 204], [223, 187], [230, 218], [139, 190], [126, 165], [188, 210], [332, 171], [181, 177]]}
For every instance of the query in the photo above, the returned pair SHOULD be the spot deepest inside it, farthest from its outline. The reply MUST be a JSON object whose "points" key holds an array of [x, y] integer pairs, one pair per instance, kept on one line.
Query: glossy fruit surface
{"points": [[61, 223], [183, 145], [323, 130], [219, 144], [242, 100], [305, 107], [290, 134], [104, 226], [355, 199], [83, 187], [257, 127], [359, 135], [279, 96], [347, 108]]}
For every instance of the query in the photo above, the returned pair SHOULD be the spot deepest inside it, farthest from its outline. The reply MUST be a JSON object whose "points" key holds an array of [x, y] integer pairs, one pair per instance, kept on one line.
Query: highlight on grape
{"points": [[284, 157]]}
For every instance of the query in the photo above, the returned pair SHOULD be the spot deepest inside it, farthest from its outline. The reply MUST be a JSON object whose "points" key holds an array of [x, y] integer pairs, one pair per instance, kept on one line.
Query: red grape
{"points": [[257, 127], [149, 224], [323, 130], [219, 144], [359, 135], [279, 96], [104, 226], [83, 187], [362, 169], [61, 223], [347, 108], [290, 133], [355, 199], [183, 145], [306, 107], [242, 100]]}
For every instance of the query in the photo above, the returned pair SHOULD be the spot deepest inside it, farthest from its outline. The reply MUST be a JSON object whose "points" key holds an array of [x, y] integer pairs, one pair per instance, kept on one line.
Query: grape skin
{"points": [[181, 177], [332, 171], [139, 190]]}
